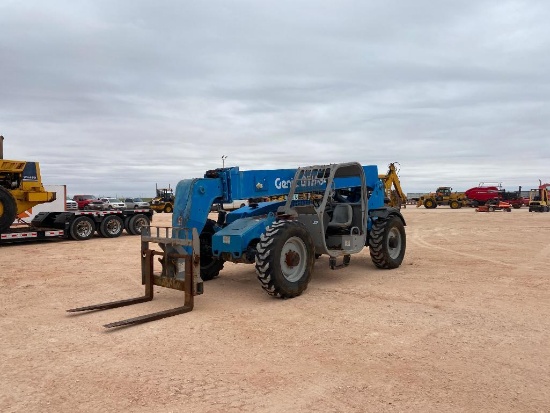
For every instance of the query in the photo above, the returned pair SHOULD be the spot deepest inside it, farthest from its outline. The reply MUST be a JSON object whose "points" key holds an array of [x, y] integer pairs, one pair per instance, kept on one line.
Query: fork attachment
{"points": [[180, 246]]}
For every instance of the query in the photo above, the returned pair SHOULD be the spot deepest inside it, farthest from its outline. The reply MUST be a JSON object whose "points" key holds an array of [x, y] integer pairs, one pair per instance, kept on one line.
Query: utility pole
{"points": [[224, 157]]}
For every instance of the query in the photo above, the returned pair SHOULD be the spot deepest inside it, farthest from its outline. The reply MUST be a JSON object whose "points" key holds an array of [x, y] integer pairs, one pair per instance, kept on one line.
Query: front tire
{"points": [[284, 259], [387, 242], [429, 204], [454, 205], [168, 209], [210, 265]]}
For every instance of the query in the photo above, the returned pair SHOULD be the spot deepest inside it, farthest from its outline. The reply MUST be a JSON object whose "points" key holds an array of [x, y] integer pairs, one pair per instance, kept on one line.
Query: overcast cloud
{"points": [[112, 97]]}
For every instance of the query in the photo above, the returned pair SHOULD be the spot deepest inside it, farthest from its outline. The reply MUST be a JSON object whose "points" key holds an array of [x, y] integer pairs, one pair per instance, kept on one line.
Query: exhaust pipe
{"points": [[1, 147]]}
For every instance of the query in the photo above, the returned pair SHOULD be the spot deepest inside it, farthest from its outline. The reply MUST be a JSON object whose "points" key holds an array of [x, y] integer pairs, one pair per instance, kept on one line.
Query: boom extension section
{"points": [[180, 262]]}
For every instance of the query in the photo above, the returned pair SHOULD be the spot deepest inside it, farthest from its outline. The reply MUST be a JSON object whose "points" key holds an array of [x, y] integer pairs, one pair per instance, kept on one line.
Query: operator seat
{"points": [[341, 216]]}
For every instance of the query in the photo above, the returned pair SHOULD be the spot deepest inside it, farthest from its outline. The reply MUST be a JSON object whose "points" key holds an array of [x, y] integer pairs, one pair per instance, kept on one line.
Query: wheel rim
{"points": [[140, 223], [84, 229], [114, 227], [394, 243], [293, 259]]}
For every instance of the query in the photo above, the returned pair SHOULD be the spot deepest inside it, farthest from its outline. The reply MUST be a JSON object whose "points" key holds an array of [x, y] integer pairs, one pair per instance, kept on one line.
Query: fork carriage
{"points": [[180, 270]]}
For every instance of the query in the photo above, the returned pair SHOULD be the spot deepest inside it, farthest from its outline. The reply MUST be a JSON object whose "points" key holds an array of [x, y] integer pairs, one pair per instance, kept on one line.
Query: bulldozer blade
{"points": [[150, 317]]}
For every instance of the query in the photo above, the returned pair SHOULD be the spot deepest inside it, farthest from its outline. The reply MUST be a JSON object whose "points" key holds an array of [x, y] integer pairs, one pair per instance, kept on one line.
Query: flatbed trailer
{"points": [[79, 225]]}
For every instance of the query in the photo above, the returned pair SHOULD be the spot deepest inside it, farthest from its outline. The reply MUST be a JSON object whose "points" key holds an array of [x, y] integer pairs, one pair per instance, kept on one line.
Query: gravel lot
{"points": [[461, 326]]}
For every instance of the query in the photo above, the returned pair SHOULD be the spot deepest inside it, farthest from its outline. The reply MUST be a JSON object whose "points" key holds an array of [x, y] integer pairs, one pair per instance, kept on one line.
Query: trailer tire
{"points": [[387, 242], [284, 259], [137, 222], [491, 209], [111, 227], [82, 228], [8, 209], [127, 225], [210, 265]]}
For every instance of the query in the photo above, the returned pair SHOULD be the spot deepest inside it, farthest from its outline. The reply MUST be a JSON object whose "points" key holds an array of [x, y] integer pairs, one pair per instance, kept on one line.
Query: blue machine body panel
{"points": [[236, 237], [194, 198], [262, 208], [243, 226]]}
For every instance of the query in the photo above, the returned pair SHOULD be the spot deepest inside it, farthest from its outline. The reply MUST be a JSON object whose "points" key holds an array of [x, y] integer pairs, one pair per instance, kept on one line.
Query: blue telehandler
{"points": [[334, 210]]}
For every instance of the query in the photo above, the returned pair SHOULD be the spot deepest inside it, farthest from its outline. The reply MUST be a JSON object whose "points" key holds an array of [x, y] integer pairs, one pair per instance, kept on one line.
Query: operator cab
{"points": [[331, 202]]}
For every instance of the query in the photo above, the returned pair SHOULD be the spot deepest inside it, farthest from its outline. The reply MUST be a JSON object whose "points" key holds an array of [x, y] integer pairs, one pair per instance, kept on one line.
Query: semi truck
{"points": [[21, 188], [78, 225]]}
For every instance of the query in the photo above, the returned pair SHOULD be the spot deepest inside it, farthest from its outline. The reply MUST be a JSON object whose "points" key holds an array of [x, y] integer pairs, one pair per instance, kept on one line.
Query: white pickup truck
{"points": [[236, 204]]}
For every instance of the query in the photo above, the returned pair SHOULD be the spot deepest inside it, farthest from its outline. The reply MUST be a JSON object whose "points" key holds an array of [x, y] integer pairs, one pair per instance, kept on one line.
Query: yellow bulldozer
{"points": [[164, 201], [394, 195], [20, 188], [443, 196]]}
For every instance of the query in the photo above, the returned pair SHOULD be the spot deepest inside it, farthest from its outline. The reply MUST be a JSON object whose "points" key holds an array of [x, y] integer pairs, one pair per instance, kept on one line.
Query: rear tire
{"points": [[387, 242], [82, 228], [284, 259], [8, 209], [127, 225], [168, 209], [111, 227], [454, 205], [137, 223]]}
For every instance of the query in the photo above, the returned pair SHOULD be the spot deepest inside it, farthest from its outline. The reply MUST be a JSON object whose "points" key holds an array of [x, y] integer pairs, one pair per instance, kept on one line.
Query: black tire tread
{"points": [[378, 253], [74, 235], [132, 224], [266, 258], [103, 227], [212, 269]]}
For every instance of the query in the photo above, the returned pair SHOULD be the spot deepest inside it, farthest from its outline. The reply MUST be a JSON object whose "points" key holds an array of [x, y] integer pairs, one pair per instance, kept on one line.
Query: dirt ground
{"points": [[461, 326]]}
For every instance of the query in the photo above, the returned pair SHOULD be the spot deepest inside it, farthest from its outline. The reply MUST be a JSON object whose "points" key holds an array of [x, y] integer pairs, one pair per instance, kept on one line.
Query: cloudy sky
{"points": [[112, 97]]}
